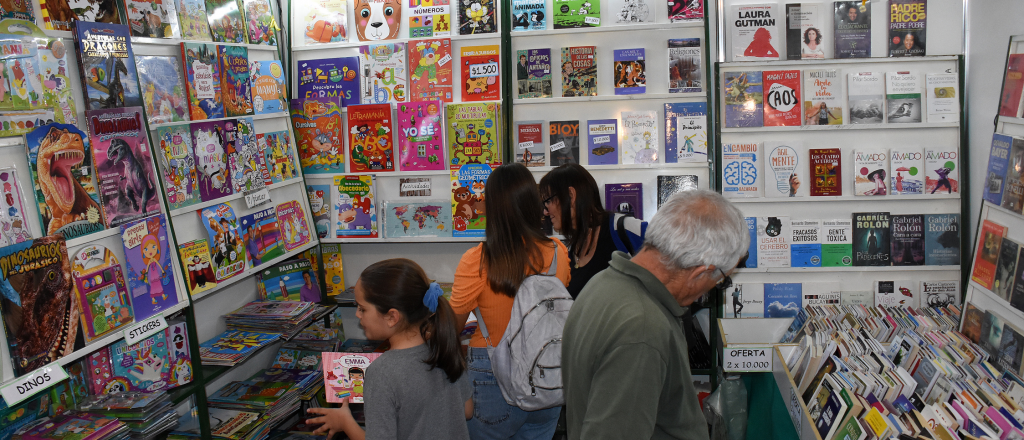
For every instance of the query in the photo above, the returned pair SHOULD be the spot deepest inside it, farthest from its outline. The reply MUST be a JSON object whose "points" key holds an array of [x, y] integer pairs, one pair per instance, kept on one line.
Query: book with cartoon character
{"points": [[248, 168], [52, 67], [124, 169], [278, 155], [289, 280], [227, 249], [469, 216], [528, 15], [579, 71], [319, 22], [259, 21], [61, 165], [148, 256], [429, 18], [177, 166], [421, 136], [533, 73], [143, 366], [210, 142], [355, 206], [370, 142], [202, 76], [297, 359], [152, 18], [192, 17], [99, 372], [343, 375], [430, 70], [196, 257], [163, 89], [477, 17], [318, 135], [640, 137], [334, 269], [383, 73], [234, 84], [262, 236], [13, 228], [473, 133], [330, 78], [107, 65], [226, 24], [181, 356], [62, 15], [481, 73], [320, 203], [294, 229], [266, 81], [101, 292]]}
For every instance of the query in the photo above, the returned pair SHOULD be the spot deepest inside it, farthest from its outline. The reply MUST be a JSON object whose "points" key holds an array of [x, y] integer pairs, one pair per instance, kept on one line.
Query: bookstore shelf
{"points": [[86, 239], [165, 41], [795, 406], [636, 166], [641, 27], [382, 174], [212, 372], [815, 63], [404, 240], [357, 44], [848, 269], [637, 97], [819, 199], [198, 206], [978, 289], [253, 270], [845, 127], [274, 115], [1010, 120]]}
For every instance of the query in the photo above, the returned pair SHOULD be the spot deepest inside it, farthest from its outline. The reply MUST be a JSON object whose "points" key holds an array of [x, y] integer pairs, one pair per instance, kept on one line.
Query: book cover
{"points": [[56, 84], [823, 97], [473, 134], [152, 18], [429, 18], [292, 280], [210, 142], [259, 22], [533, 73], [685, 10], [782, 98], [639, 137], [266, 81], [782, 300], [430, 63], [225, 240], [278, 155], [858, 297], [320, 205], [684, 65], [943, 97], [1017, 290], [900, 293], [1006, 268], [318, 135], [148, 266], [481, 73], [234, 83], [530, 147], [972, 322], [820, 294], [102, 48], [343, 375], [579, 71], [743, 99], [1013, 86], [870, 168], [806, 34], [837, 242], [294, 229], [430, 218], [991, 332], [371, 144], [866, 98], [1010, 347], [990, 238], [528, 15], [907, 28], [355, 205], [192, 18], [63, 15], [262, 237], [20, 11], [564, 142], [941, 172], [196, 257], [320, 22], [669, 186], [226, 23], [784, 163], [202, 76], [420, 136], [469, 217], [741, 170], [774, 236], [334, 273], [626, 198], [163, 89], [907, 240], [571, 14], [78, 425], [754, 32], [247, 165], [852, 25], [906, 170], [383, 73], [630, 71], [602, 142], [13, 221], [336, 78], [143, 366], [124, 168], [64, 189], [477, 17], [100, 291], [1013, 192], [750, 260], [746, 300], [826, 171], [805, 248], [941, 293], [632, 11], [903, 97], [998, 162], [686, 122], [942, 239], [871, 245]]}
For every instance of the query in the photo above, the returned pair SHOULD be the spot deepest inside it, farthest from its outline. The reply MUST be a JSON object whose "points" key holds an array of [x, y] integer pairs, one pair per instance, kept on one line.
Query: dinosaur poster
{"points": [[210, 142], [227, 249], [106, 64], [202, 78], [101, 292], [61, 165], [370, 141], [319, 135], [124, 168], [148, 256], [234, 85]]}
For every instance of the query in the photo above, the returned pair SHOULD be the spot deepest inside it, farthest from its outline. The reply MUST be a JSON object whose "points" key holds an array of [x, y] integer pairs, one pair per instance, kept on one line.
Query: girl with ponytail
{"points": [[419, 388]]}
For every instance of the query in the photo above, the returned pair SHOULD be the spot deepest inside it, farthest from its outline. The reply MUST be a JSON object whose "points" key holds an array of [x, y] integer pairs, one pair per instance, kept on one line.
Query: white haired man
{"points": [[625, 366]]}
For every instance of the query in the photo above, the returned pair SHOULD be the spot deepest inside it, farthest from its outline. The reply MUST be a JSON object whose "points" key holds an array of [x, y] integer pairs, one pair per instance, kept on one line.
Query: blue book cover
{"points": [[998, 160], [675, 110], [831, 414], [744, 99], [752, 253], [942, 239], [602, 142], [782, 300], [235, 342], [330, 78], [805, 248], [630, 71], [427, 218], [528, 15]]}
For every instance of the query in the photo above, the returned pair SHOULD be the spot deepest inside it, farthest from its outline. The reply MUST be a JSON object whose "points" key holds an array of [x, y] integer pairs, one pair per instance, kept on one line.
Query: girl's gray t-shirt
{"points": [[405, 399]]}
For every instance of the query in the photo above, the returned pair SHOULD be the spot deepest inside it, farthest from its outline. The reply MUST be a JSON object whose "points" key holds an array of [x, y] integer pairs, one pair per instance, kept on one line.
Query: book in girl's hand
{"points": [[343, 375]]}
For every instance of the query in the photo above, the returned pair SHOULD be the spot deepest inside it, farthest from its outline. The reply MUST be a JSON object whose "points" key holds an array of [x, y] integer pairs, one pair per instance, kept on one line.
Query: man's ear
{"points": [[696, 272]]}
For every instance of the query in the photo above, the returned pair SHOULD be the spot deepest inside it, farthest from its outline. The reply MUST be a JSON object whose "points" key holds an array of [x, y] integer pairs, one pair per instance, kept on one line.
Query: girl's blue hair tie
{"points": [[430, 298]]}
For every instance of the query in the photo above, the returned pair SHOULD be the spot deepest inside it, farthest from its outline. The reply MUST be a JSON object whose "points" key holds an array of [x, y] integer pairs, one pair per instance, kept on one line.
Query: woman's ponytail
{"points": [[443, 340]]}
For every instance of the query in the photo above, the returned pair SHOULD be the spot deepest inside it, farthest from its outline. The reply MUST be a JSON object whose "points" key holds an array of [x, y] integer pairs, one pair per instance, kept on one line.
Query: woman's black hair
{"points": [[400, 284], [817, 36], [589, 211]]}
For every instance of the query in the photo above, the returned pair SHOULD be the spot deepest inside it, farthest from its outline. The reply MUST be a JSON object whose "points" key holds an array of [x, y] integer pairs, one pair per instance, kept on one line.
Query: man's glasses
{"points": [[725, 283]]}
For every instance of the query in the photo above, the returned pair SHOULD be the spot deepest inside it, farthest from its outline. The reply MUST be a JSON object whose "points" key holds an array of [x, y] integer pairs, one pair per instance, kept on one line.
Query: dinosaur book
{"points": [[469, 213], [371, 143], [61, 165], [430, 70], [226, 25], [210, 142], [101, 292], [106, 64], [177, 165], [481, 73], [421, 136], [226, 244], [278, 154], [149, 274], [152, 18], [202, 78], [319, 135], [61, 15], [473, 134], [355, 206], [124, 169], [163, 90], [294, 228], [234, 84]]}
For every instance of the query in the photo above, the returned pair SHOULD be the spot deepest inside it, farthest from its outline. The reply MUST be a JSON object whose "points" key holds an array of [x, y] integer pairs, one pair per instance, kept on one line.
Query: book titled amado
{"points": [[870, 172], [371, 143], [906, 170], [942, 173]]}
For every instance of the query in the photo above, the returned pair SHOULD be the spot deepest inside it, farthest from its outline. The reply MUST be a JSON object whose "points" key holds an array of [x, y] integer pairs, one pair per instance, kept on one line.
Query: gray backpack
{"points": [[527, 361]]}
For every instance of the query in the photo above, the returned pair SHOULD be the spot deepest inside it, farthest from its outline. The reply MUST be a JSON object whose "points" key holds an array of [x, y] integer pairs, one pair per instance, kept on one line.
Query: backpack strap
{"points": [[483, 328], [620, 229], [553, 268]]}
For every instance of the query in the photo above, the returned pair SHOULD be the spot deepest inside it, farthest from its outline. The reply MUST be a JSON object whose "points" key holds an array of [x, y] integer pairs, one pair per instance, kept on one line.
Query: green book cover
{"points": [[577, 14], [837, 243]]}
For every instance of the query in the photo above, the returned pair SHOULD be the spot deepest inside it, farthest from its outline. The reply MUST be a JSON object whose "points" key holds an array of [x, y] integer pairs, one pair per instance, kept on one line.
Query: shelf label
{"points": [[257, 197], [747, 359], [416, 186], [483, 70], [525, 145], [32, 383], [558, 146], [145, 329]]}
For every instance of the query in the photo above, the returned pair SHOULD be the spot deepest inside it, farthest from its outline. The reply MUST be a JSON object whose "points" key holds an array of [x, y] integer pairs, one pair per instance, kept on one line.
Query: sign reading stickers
{"points": [[144, 329], [747, 359], [32, 383]]}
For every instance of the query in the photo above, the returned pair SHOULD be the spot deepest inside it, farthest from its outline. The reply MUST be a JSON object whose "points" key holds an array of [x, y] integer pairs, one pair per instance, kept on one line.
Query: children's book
{"points": [[343, 375], [226, 24], [430, 69], [469, 217], [907, 240], [784, 169], [64, 189], [943, 97], [260, 23], [294, 229], [192, 17], [564, 142], [782, 98], [355, 206], [630, 71], [640, 137], [152, 18], [774, 236], [941, 172], [383, 73], [19, 11], [625, 198], [318, 135], [903, 97], [907, 28], [906, 170], [107, 65], [148, 266], [196, 257], [266, 81], [826, 171], [480, 73], [421, 136], [870, 178], [431, 218], [211, 154], [782, 300], [822, 97], [837, 242], [225, 240], [530, 147], [571, 14], [686, 122], [320, 22], [100, 291], [743, 99], [533, 73], [278, 155], [866, 92], [234, 84], [143, 366], [684, 64], [248, 169], [579, 71], [669, 186], [330, 78], [62, 15], [371, 143], [289, 281], [262, 236], [334, 273], [473, 133], [163, 90], [942, 239], [320, 204], [124, 169], [297, 359], [429, 19], [741, 170], [202, 76], [52, 67], [13, 225], [477, 17], [603, 142], [871, 245], [39, 313], [852, 26], [529, 15], [754, 31]]}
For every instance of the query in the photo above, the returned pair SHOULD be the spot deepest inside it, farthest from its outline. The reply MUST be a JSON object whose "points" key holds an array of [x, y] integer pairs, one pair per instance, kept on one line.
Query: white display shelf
{"points": [[819, 199], [404, 240], [848, 269], [193, 208], [380, 174], [356, 44], [635, 97], [637, 166], [992, 296], [990, 205], [12, 141], [795, 406], [95, 236], [274, 115], [810, 63], [252, 271], [844, 127], [696, 24], [162, 41], [1011, 120]]}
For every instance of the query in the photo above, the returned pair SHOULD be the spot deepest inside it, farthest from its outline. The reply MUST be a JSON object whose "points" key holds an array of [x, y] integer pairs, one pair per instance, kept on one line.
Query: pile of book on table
{"points": [[273, 393], [284, 317], [930, 381], [78, 425], [146, 414], [224, 424], [234, 346]]}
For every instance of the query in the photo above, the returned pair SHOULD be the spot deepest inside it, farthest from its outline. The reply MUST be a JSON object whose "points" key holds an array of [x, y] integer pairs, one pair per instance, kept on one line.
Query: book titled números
{"points": [[866, 99], [741, 170]]}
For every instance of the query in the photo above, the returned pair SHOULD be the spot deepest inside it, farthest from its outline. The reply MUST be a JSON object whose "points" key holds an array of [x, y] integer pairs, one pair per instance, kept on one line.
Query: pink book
{"points": [[420, 136], [343, 375]]}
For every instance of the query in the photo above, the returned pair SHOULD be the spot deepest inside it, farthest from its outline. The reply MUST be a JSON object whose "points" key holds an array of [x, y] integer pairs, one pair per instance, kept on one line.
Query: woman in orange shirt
{"points": [[488, 277]]}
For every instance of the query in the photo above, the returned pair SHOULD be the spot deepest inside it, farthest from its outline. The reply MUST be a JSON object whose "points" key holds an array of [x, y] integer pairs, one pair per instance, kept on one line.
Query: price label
{"points": [[592, 20], [558, 146], [483, 70], [257, 197], [32, 383], [444, 60], [602, 139], [145, 329], [747, 360], [525, 145]]}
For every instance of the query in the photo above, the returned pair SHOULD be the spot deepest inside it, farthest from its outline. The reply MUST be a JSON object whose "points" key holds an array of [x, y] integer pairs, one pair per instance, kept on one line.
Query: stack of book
{"points": [[880, 322], [84, 426], [234, 346], [224, 424], [274, 394], [287, 318], [146, 414]]}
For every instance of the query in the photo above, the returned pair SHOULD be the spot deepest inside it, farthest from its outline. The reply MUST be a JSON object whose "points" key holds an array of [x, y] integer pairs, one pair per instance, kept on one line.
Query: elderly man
{"points": [[624, 357]]}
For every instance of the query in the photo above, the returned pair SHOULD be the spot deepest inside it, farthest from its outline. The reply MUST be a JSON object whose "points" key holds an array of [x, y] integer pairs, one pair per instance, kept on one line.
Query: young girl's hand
{"points": [[334, 420]]}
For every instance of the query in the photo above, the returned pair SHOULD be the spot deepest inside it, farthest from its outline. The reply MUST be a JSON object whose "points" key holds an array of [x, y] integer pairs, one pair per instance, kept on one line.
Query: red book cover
{"points": [[1013, 85], [826, 171], [985, 258], [371, 144], [430, 70], [782, 98], [481, 73]]}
